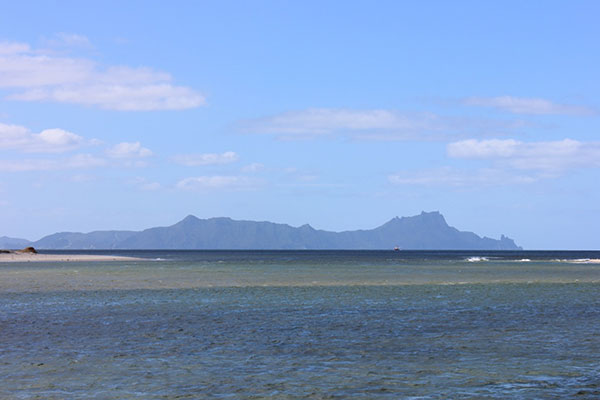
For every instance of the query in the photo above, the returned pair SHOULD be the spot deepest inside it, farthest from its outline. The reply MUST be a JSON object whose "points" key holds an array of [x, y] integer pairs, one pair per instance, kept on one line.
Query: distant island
{"points": [[426, 231]]}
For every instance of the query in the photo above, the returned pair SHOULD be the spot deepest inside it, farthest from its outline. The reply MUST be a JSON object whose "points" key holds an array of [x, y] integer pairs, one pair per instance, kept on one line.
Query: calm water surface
{"points": [[287, 325]]}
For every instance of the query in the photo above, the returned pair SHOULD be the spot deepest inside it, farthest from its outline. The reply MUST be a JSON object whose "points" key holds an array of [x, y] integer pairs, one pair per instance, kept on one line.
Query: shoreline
{"points": [[17, 256]]}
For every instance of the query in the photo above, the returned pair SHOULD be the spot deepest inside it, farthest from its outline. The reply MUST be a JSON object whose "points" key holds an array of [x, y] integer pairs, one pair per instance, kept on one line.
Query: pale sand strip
{"points": [[33, 257], [585, 261]]}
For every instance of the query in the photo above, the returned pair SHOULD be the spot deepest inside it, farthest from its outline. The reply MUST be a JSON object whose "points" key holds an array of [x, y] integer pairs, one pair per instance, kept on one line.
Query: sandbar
{"points": [[37, 257], [585, 261]]}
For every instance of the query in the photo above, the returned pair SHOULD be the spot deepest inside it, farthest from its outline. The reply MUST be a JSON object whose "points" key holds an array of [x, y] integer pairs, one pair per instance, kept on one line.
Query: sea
{"points": [[303, 325]]}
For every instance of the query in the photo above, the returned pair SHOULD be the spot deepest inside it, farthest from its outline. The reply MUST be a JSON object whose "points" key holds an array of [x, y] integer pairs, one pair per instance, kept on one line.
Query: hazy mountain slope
{"points": [[225, 233], [13, 243], [424, 231], [92, 240]]}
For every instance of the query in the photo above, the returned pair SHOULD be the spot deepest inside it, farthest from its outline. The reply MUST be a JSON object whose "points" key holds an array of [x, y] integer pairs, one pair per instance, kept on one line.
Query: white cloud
{"points": [[254, 167], [63, 39], [13, 48], [124, 154], [513, 162], [128, 150], [216, 182], [38, 77], [147, 97], [194, 160], [374, 124], [50, 141], [79, 161], [548, 156], [47, 141], [473, 148], [59, 139], [524, 105], [326, 121], [26, 70]]}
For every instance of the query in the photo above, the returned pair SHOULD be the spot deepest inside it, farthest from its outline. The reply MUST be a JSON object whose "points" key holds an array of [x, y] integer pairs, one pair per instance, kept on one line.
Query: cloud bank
{"points": [[549, 156], [528, 105], [512, 162], [78, 161], [128, 150], [53, 141], [33, 76], [371, 124], [47, 141], [195, 160]]}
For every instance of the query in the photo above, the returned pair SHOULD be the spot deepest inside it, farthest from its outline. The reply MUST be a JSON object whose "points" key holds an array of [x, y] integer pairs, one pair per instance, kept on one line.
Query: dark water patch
{"points": [[428, 341]]}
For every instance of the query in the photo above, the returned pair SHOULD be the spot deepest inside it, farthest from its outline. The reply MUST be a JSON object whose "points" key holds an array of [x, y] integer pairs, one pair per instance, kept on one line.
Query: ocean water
{"points": [[303, 325]]}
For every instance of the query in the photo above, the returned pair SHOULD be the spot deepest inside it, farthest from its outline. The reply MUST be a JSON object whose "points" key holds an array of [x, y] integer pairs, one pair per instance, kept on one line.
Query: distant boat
{"points": [[396, 248]]}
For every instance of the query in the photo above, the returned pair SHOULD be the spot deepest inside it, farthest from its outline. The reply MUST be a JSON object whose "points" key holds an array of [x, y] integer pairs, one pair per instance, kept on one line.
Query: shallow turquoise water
{"points": [[492, 339]]}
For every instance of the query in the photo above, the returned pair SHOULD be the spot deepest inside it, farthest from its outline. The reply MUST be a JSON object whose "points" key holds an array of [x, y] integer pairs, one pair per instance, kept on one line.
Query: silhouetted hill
{"points": [[427, 231], [13, 243], [92, 240]]}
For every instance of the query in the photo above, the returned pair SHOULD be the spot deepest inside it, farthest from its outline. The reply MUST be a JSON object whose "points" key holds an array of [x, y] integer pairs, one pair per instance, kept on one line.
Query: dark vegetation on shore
{"points": [[26, 250]]}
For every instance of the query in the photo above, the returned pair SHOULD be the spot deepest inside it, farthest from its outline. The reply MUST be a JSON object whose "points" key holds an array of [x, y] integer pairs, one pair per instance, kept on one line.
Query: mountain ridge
{"points": [[426, 231]]}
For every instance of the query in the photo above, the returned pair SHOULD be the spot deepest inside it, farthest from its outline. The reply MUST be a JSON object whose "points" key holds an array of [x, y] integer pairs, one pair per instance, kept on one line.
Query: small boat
{"points": [[396, 248]]}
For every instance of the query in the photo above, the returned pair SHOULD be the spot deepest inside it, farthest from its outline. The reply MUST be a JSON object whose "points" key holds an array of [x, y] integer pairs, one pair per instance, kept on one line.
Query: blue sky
{"points": [[338, 114]]}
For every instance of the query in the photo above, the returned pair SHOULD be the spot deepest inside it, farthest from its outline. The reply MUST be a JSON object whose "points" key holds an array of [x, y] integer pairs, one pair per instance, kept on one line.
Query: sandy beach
{"points": [[585, 261], [37, 257]]}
